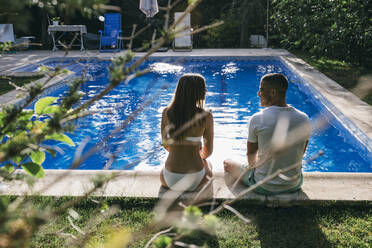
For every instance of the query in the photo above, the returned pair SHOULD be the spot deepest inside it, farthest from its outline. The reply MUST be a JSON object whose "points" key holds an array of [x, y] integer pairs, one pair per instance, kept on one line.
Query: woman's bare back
{"points": [[187, 155]]}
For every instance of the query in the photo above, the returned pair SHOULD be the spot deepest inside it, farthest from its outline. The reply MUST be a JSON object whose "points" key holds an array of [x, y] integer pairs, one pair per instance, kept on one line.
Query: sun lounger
{"points": [[183, 40], [258, 41]]}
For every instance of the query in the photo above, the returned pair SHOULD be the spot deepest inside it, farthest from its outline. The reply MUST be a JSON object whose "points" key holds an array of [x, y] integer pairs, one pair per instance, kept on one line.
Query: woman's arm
{"points": [[207, 149], [164, 131]]}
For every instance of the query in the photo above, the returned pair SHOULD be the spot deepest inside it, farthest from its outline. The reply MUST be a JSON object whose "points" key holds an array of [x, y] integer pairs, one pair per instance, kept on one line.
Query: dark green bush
{"points": [[226, 35], [241, 18], [340, 29]]}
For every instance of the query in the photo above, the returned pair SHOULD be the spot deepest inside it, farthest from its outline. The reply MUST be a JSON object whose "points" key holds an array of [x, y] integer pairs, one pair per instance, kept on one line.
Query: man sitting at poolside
{"points": [[277, 138]]}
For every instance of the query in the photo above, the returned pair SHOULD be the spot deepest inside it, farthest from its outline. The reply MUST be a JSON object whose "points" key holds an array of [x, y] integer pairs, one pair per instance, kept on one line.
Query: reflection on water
{"points": [[230, 68], [163, 68]]}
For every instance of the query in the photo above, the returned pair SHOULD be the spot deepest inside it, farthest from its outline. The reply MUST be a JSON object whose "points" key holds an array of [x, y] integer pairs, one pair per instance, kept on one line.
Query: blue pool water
{"points": [[232, 86]]}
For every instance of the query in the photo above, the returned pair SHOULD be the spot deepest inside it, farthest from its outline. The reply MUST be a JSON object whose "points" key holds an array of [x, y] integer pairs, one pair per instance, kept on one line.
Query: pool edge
{"points": [[341, 187], [357, 111]]}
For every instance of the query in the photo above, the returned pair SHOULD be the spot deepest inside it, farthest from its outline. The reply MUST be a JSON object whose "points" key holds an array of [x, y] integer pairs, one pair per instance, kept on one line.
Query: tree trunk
{"points": [[45, 40], [244, 34], [67, 16]]}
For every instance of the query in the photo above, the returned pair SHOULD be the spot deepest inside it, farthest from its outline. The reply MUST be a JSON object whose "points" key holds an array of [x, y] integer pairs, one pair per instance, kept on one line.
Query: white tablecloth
{"points": [[67, 28]]}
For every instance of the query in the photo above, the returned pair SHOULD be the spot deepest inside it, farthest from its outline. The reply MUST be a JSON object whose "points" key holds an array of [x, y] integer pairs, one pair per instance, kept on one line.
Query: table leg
{"points": [[54, 42], [30, 44], [82, 42]]}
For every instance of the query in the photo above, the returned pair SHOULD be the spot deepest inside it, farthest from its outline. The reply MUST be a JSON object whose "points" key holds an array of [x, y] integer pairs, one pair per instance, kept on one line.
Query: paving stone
{"points": [[317, 187]]}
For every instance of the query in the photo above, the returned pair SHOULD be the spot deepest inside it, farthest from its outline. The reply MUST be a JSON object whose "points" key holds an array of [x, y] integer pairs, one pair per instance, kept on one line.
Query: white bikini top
{"points": [[194, 139], [187, 138]]}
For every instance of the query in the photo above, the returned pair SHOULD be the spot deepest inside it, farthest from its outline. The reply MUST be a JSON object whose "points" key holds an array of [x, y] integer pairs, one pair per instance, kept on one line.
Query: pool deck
{"points": [[317, 187]]}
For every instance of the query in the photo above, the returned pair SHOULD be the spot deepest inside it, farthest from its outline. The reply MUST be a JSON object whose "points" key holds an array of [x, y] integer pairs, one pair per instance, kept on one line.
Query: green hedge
{"points": [[242, 18], [224, 36], [340, 29]]}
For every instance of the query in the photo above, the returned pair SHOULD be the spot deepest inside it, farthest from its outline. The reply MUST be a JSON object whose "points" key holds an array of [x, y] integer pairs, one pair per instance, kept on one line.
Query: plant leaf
{"points": [[9, 168], [43, 103], [17, 159], [26, 115], [163, 242], [118, 237], [37, 127], [61, 137], [2, 114], [38, 157], [51, 110], [51, 152], [34, 169], [4, 203]]}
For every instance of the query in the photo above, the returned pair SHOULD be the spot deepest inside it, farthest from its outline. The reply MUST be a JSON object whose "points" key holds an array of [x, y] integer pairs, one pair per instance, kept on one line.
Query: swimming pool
{"points": [[232, 84]]}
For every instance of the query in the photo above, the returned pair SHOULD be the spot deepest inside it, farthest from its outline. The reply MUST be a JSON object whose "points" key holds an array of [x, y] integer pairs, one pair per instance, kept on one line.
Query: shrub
{"points": [[226, 35], [337, 29]]}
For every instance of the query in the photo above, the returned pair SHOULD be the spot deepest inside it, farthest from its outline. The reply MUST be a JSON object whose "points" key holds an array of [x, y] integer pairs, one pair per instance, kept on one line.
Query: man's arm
{"points": [[252, 149], [307, 142]]}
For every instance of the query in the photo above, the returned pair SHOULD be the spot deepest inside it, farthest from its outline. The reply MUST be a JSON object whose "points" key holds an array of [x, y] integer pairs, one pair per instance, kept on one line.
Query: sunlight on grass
{"points": [[301, 226], [19, 81], [345, 74]]}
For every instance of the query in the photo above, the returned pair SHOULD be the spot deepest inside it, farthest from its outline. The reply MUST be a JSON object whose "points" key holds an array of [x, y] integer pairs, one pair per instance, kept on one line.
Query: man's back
{"points": [[277, 139], [283, 121]]}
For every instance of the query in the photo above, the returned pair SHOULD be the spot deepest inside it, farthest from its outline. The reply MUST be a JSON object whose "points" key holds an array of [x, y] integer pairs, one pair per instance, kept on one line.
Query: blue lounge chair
{"points": [[110, 38]]}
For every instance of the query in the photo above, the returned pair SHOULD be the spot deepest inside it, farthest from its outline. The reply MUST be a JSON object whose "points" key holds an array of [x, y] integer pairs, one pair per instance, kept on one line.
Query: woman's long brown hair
{"points": [[187, 101]]}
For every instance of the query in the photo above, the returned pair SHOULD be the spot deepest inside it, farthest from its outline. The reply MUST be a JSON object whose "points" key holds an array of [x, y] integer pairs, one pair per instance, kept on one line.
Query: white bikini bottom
{"points": [[183, 182]]}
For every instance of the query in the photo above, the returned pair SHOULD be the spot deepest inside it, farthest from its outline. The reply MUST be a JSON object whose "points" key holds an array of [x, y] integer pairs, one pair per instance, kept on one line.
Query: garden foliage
{"points": [[224, 36], [241, 19], [340, 29], [22, 130]]}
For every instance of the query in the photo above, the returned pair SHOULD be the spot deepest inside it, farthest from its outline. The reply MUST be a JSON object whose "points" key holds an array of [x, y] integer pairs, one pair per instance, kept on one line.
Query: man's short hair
{"points": [[276, 81]]}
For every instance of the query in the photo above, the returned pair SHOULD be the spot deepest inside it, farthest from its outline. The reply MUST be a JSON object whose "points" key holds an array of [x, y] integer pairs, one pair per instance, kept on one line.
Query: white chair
{"points": [[7, 34], [258, 41], [183, 39]]}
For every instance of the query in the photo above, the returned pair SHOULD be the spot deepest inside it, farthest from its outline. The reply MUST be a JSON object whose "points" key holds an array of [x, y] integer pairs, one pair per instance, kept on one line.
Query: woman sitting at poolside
{"points": [[183, 126]]}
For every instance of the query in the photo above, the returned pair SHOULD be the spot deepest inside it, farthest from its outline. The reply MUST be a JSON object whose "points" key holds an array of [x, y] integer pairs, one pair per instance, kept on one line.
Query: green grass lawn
{"points": [[332, 225], [19, 81], [347, 75]]}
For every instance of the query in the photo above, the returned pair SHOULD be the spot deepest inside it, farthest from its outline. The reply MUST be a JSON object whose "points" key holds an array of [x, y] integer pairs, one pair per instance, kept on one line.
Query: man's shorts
{"points": [[248, 180]]}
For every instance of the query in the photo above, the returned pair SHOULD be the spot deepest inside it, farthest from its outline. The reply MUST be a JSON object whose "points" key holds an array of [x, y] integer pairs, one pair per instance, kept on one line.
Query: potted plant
{"points": [[55, 20]]}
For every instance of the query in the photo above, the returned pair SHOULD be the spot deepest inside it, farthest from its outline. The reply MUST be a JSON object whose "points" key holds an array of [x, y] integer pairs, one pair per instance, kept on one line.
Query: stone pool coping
{"points": [[354, 187], [317, 187], [17, 96]]}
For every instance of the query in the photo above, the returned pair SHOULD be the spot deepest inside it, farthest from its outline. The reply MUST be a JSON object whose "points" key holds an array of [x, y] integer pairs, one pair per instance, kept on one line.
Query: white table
{"points": [[53, 29]]}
